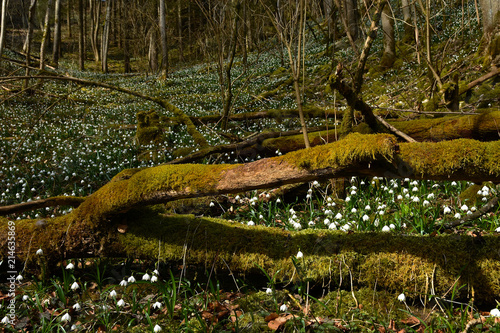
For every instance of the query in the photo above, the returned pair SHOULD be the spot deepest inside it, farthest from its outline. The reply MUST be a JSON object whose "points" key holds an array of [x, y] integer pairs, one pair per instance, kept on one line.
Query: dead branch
{"points": [[37, 204], [494, 72], [467, 219]]}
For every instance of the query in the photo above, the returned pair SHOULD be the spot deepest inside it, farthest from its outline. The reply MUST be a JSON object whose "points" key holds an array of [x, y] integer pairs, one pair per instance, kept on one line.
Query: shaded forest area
{"points": [[325, 149]]}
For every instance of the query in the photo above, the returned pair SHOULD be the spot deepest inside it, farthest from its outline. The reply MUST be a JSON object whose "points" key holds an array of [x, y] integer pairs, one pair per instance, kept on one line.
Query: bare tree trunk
{"points": [[5, 3], [105, 37], [491, 29], [352, 17], [179, 29], [31, 19], [153, 51], [389, 54], [407, 21], [95, 14], [56, 50], [46, 28], [68, 20], [163, 37], [126, 51], [81, 37]]}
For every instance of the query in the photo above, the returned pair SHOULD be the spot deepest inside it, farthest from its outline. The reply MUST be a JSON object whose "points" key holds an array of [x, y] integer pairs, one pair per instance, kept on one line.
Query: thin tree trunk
{"points": [[81, 37], [5, 3], [95, 15], [31, 19], [56, 49], [153, 51], [163, 37], [68, 20], [46, 28], [126, 52], [179, 29], [105, 37], [409, 34], [389, 54]]}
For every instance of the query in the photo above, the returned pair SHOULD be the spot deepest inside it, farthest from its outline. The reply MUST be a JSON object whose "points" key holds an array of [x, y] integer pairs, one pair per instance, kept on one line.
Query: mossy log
{"points": [[129, 202]]}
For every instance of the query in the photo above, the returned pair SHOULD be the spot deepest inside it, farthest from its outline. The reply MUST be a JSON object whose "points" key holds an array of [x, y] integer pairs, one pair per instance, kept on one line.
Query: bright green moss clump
{"points": [[354, 148]]}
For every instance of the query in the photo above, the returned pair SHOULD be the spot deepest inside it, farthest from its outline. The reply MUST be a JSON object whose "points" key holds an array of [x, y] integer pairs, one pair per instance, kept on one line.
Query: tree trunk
{"points": [[153, 51], [163, 39], [68, 20], [409, 33], [56, 50], [105, 37], [31, 23], [3, 22], [126, 51], [491, 29], [352, 17], [179, 30], [389, 54], [95, 14], [81, 37], [46, 28]]}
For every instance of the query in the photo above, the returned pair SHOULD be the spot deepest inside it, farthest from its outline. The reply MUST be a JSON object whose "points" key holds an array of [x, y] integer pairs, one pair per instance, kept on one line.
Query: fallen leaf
{"points": [[271, 316]]}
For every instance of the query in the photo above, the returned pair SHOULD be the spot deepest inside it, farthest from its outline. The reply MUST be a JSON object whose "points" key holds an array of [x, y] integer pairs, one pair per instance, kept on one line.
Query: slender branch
{"points": [[37, 204], [477, 214]]}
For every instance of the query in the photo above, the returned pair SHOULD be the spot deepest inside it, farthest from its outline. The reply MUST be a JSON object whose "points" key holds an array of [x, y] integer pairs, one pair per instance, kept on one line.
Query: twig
{"points": [[483, 210], [49, 202], [395, 130], [473, 322]]}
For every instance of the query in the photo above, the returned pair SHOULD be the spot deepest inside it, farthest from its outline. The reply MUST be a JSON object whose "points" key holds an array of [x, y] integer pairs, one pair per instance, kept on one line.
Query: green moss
{"points": [[352, 149], [148, 128], [470, 196], [461, 156]]}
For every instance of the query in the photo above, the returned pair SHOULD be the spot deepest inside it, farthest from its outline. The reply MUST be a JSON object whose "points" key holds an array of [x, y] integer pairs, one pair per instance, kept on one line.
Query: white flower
{"points": [[77, 306], [19, 278], [26, 297], [497, 229], [386, 228], [426, 203], [299, 255], [495, 313], [156, 305], [366, 218], [269, 291], [345, 227], [338, 216], [447, 210], [367, 207], [399, 197], [251, 223], [416, 199], [354, 210], [454, 183], [283, 308], [157, 328], [402, 297], [464, 208], [430, 196], [121, 302], [311, 223], [66, 317], [237, 198], [457, 215], [146, 277], [326, 221], [392, 226], [154, 278], [211, 204], [113, 293], [278, 200], [39, 252], [315, 183], [261, 217], [415, 189], [75, 286], [123, 283], [70, 266], [332, 226], [131, 279], [5, 320], [347, 199]]}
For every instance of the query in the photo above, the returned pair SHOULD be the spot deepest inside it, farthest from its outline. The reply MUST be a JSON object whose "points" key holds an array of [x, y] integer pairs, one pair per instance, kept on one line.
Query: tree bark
{"points": [[389, 54], [105, 37], [56, 50], [46, 28], [163, 39], [31, 19], [3, 23], [95, 14], [81, 37]]}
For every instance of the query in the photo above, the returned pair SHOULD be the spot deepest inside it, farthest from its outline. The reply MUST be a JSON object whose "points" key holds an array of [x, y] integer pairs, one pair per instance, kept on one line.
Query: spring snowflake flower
{"points": [[454, 183], [39, 252], [251, 223], [326, 221], [77, 306], [66, 317], [269, 291], [347, 199], [354, 210], [70, 266], [311, 223], [157, 328], [19, 278], [113, 293], [366, 218], [426, 203], [415, 189], [5, 320], [338, 216], [315, 183], [464, 208], [278, 200], [123, 283], [131, 279], [416, 199], [386, 228], [146, 277], [402, 298], [154, 278], [211, 204], [497, 229], [495, 313], [283, 308], [392, 226], [75, 286], [367, 207], [120, 303], [25, 298], [299, 255], [399, 197], [446, 210], [457, 215]]}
